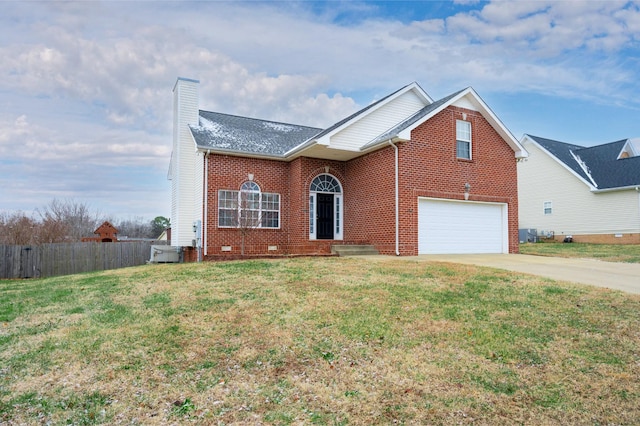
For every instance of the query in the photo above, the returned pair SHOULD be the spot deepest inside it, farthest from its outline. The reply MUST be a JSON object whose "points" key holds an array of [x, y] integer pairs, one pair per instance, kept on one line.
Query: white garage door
{"points": [[461, 227]]}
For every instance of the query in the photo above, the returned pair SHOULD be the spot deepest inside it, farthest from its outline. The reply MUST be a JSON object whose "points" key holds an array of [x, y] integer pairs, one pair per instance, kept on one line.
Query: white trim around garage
{"points": [[456, 226]]}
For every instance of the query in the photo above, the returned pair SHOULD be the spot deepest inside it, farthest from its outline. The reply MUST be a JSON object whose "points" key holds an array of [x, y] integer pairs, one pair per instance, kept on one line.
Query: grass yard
{"points": [[329, 341], [606, 252]]}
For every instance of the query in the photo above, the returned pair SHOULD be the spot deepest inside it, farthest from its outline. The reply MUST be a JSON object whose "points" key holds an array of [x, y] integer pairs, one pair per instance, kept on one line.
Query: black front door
{"points": [[325, 217]]}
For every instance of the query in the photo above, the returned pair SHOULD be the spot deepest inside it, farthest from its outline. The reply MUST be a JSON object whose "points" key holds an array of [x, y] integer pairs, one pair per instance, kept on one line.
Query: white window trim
{"points": [[338, 221], [238, 208], [338, 211], [547, 205], [460, 138]]}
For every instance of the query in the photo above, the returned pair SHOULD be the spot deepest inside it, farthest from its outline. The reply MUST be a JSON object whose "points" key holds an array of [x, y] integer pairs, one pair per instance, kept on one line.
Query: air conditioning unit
{"points": [[164, 254]]}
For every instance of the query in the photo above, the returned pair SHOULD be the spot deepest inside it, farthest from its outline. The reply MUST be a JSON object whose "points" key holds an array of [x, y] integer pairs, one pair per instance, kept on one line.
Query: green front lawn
{"points": [[316, 341], [606, 252]]}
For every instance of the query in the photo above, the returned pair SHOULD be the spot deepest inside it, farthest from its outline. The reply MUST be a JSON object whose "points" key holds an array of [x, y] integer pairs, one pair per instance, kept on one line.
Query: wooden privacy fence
{"points": [[50, 260]]}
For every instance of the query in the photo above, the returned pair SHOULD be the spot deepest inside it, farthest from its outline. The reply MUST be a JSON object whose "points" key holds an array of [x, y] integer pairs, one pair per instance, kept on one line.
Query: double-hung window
{"points": [[248, 208], [227, 208], [547, 207], [463, 139]]}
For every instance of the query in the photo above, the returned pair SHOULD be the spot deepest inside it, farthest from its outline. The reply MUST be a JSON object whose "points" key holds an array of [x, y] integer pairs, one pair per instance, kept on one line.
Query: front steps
{"points": [[354, 250]]}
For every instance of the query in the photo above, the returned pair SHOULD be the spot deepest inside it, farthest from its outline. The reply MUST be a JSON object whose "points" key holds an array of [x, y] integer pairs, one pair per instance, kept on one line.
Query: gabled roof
{"points": [[366, 110], [105, 227], [409, 122], [599, 166], [403, 130], [234, 134]]}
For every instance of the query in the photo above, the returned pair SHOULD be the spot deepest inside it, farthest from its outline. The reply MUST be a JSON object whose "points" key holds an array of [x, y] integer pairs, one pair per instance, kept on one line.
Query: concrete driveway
{"points": [[619, 276]]}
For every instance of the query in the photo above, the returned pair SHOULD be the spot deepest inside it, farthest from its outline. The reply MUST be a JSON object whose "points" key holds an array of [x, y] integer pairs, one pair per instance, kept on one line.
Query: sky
{"points": [[86, 87]]}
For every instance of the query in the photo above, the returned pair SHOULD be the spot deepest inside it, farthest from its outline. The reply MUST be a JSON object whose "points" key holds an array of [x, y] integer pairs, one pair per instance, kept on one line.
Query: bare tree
{"points": [[134, 228], [67, 221], [17, 228], [78, 219], [51, 231], [249, 216]]}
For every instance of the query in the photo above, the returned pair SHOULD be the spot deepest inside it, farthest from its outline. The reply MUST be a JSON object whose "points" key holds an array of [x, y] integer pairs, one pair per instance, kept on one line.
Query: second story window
{"points": [[463, 139]]}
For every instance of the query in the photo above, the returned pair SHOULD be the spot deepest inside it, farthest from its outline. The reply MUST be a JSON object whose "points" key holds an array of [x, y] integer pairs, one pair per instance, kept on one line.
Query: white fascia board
{"points": [[295, 150], [487, 113], [325, 140], [421, 93], [621, 188], [562, 164], [497, 125], [632, 146], [406, 133]]}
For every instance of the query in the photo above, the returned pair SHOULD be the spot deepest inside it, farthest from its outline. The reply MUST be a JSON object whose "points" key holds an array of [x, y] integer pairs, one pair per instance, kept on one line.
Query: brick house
{"points": [[407, 175]]}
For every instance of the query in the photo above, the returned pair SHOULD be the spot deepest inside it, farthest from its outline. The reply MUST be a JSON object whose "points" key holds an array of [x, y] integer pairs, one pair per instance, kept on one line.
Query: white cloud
{"points": [[89, 83]]}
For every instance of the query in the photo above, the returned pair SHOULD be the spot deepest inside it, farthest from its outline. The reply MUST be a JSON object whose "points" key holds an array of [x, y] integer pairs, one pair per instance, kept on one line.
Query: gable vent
{"points": [[630, 149]]}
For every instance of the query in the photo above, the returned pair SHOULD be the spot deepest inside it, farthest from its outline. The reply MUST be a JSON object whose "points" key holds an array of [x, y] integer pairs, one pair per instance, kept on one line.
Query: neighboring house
{"points": [[589, 193], [405, 174], [107, 233]]}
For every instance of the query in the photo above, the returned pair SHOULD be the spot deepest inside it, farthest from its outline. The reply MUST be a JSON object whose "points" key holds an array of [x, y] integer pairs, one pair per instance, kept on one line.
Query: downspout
{"points": [[397, 198], [206, 201]]}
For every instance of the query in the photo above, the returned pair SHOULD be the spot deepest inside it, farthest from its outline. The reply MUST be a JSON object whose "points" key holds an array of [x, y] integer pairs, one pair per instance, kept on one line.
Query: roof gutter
{"points": [[395, 147], [209, 150], [621, 188]]}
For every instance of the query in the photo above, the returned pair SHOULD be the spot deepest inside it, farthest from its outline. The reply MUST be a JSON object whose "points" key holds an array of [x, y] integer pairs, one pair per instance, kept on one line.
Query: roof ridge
{"points": [[258, 119], [555, 141]]}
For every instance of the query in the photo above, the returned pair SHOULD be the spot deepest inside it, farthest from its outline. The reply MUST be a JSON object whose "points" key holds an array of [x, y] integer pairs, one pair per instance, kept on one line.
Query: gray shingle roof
{"points": [[248, 135], [235, 134], [601, 163]]}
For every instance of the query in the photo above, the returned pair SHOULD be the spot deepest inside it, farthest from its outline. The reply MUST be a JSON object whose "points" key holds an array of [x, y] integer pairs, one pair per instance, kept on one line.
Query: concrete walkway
{"points": [[618, 276]]}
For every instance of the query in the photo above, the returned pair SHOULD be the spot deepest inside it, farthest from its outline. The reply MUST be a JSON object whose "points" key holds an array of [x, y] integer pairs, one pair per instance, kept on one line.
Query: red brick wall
{"points": [[229, 172], [303, 171], [429, 168], [370, 200], [291, 181]]}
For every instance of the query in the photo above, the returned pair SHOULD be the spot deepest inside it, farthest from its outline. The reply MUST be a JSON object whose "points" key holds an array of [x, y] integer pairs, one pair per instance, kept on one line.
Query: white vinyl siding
{"points": [[576, 210], [376, 123], [446, 226], [185, 180]]}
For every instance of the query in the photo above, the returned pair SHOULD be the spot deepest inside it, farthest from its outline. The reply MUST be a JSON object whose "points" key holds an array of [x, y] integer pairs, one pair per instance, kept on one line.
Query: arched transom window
{"points": [[326, 183], [325, 208]]}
